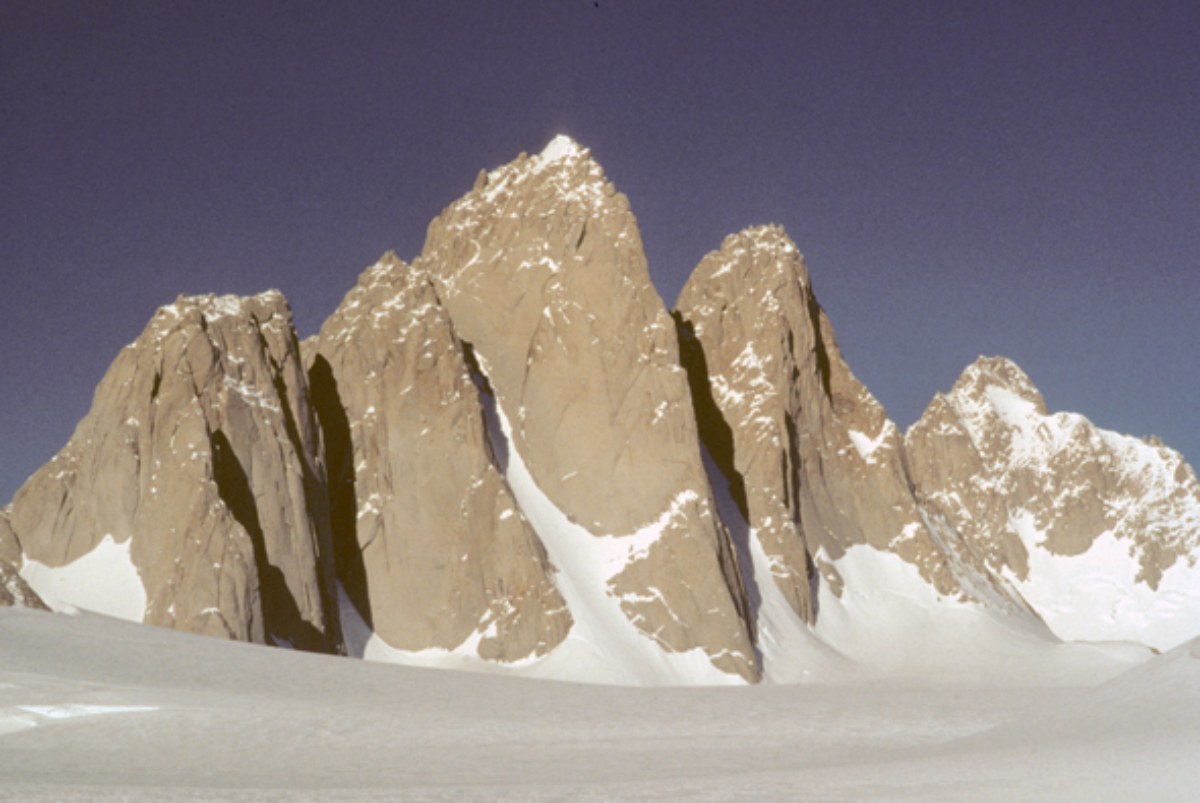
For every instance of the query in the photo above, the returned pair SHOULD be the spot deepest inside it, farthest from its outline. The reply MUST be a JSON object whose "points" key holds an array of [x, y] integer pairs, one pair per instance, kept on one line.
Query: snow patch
{"points": [[561, 147], [1095, 596], [865, 446], [104, 580]]}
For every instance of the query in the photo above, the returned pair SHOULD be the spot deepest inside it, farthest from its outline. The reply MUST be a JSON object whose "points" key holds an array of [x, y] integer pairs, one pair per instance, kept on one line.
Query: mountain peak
{"points": [[561, 147], [997, 372], [760, 257]]}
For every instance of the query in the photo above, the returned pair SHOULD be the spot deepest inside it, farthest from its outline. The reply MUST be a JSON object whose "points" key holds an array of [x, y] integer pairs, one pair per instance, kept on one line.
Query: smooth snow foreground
{"points": [[94, 708]]}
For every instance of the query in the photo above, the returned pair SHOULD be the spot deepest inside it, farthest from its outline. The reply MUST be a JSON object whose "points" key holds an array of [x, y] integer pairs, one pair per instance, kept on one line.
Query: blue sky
{"points": [[964, 178]]}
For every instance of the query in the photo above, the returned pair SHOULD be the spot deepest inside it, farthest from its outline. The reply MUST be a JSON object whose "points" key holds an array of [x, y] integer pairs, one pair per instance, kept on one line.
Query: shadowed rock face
{"points": [[432, 548], [10, 548], [14, 591], [1015, 480], [542, 270], [811, 457], [200, 451]]}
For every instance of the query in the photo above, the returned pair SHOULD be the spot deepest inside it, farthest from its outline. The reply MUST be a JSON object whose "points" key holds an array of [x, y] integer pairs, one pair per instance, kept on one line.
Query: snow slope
{"points": [[1104, 527], [103, 580], [890, 622], [603, 646], [98, 709]]}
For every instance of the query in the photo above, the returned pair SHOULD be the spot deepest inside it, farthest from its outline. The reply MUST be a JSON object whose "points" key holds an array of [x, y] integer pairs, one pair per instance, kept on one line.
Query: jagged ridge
{"points": [[533, 467]]}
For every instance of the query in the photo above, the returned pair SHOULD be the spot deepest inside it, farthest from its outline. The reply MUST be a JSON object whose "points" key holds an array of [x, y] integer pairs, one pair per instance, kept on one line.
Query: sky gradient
{"points": [[963, 178]]}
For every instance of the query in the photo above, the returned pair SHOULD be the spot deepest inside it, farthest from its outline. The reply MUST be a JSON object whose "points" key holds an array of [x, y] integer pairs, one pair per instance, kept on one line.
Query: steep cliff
{"points": [[192, 495]]}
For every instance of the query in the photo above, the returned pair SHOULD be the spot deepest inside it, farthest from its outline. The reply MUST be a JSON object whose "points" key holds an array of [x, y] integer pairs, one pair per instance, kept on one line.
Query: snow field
{"points": [[180, 717]]}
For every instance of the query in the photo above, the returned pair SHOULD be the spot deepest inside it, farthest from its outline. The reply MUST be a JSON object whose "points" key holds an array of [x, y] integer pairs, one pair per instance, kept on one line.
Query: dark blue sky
{"points": [[964, 178]]}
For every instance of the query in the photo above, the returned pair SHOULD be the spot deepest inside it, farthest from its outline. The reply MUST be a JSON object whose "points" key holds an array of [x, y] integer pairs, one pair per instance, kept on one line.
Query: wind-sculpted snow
{"points": [[145, 717], [1099, 531]]}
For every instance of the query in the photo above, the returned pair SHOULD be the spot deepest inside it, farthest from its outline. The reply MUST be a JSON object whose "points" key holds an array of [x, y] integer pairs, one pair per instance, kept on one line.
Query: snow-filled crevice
{"points": [[603, 645], [739, 534]]}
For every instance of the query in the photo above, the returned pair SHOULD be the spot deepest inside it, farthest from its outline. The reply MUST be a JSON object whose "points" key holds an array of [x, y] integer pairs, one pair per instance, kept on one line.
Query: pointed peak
{"points": [[213, 306], [765, 237], [564, 165], [762, 257], [389, 260], [991, 372], [997, 368], [561, 147]]}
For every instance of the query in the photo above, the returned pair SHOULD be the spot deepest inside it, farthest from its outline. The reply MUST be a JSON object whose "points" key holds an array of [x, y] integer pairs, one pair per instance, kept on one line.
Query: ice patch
{"points": [[75, 710], [24, 717]]}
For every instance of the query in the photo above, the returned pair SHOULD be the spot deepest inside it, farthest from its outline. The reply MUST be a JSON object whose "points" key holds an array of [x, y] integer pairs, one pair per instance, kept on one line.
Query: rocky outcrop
{"points": [[508, 454], [813, 461], [193, 490], [542, 270], [10, 548], [1101, 532], [432, 549], [15, 592]]}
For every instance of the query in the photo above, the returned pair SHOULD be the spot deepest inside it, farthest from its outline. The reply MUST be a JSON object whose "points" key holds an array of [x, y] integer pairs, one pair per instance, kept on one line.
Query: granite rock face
{"points": [[196, 482], [542, 270], [1099, 531], [432, 548], [508, 454], [10, 548], [15, 592], [813, 461]]}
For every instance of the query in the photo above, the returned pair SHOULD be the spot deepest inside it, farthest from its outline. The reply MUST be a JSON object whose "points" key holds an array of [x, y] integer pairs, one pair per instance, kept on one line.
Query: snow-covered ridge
{"points": [[1099, 532], [986, 402]]}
